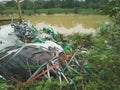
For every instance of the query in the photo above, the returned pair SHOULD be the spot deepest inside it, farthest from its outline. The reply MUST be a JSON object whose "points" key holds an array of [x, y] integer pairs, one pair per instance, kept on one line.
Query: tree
{"points": [[67, 3], [11, 4], [37, 4], [2, 7], [76, 4], [112, 9], [57, 3], [27, 4], [95, 4]]}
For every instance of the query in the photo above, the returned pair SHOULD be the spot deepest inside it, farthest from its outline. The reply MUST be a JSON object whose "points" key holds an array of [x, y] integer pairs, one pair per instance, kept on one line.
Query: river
{"points": [[68, 24]]}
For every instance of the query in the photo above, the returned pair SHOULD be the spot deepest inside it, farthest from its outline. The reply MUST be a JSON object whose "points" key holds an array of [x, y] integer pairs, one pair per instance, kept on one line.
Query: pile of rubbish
{"points": [[40, 55]]}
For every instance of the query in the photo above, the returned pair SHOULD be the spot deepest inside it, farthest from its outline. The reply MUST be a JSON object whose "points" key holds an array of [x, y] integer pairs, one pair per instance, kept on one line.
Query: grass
{"points": [[53, 11]]}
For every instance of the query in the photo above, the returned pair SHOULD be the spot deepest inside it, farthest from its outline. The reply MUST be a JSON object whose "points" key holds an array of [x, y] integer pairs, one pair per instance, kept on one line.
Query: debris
{"points": [[40, 57], [0, 42]]}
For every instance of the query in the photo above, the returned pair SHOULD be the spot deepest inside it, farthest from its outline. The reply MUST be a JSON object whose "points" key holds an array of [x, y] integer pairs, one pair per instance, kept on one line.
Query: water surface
{"points": [[69, 21]]}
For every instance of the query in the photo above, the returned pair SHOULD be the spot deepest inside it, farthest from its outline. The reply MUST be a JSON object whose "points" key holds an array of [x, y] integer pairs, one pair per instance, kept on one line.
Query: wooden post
{"points": [[19, 10]]}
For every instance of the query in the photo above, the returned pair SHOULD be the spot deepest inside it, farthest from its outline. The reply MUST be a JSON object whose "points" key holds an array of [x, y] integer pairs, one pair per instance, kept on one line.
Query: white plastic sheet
{"points": [[7, 37]]}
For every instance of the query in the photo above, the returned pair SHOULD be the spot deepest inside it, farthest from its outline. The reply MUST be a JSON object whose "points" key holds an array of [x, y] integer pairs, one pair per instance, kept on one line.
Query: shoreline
{"points": [[60, 29]]}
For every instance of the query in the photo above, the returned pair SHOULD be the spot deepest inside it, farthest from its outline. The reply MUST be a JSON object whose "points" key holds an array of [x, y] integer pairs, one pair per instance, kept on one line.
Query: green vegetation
{"points": [[38, 4], [53, 11], [103, 57], [54, 6]]}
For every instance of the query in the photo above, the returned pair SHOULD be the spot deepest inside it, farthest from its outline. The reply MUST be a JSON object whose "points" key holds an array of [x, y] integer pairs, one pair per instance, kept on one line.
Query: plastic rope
{"points": [[75, 86], [42, 73]]}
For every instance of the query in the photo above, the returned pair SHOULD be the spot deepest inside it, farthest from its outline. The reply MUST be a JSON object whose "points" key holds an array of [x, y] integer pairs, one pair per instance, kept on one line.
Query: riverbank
{"points": [[63, 30], [53, 11]]}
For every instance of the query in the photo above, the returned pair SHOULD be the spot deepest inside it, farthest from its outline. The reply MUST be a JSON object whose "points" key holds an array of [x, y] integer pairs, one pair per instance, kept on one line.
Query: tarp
{"points": [[7, 38], [19, 62]]}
